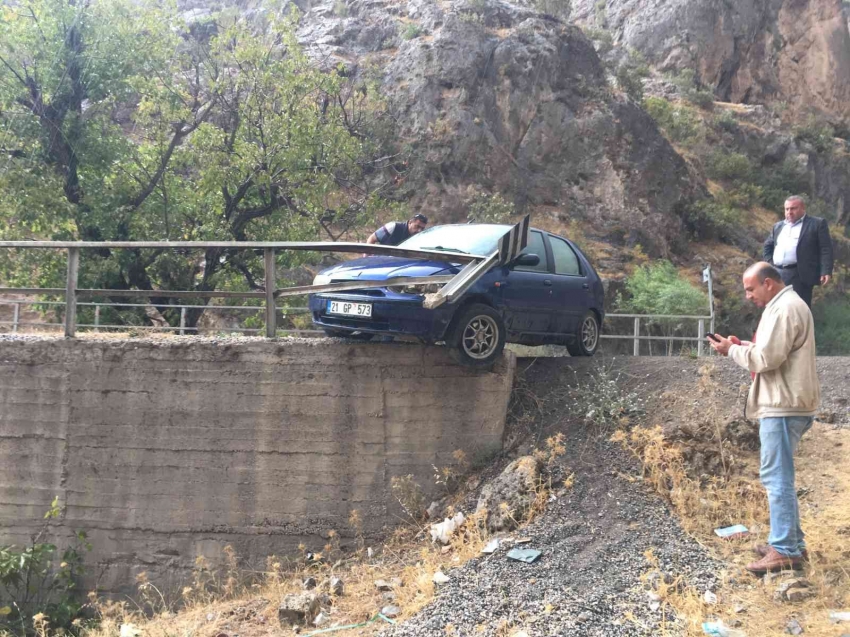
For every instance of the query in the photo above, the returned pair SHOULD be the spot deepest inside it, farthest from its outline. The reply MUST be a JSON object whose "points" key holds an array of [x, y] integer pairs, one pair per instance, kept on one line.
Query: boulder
{"points": [[299, 608], [510, 496]]}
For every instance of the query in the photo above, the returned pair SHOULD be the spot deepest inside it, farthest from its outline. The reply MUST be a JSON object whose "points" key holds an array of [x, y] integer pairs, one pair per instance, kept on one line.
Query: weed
{"points": [[409, 495], [601, 400], [340, 9], [411, 32], [40, 581], [679, 122], [558, 8], [630, 75], [487, 208]]}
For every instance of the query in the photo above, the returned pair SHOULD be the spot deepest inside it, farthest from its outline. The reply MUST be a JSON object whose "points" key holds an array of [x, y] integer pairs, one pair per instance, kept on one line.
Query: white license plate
{"points": [[350, 309]]}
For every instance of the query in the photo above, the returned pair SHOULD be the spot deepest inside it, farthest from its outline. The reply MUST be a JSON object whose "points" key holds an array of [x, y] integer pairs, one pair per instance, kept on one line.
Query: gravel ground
{"points": [[594, 536]]}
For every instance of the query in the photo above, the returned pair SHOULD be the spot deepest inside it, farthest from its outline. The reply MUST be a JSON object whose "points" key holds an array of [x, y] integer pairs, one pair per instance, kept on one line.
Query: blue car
{"points": [[549, 295]]}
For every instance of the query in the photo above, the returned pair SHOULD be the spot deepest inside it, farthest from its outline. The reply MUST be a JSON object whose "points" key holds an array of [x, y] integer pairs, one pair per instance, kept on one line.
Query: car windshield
{"points": [[480, 239]]}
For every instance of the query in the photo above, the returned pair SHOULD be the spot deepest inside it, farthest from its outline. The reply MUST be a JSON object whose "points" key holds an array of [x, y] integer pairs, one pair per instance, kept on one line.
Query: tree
{"points": [[120, 121], [657, 288]]}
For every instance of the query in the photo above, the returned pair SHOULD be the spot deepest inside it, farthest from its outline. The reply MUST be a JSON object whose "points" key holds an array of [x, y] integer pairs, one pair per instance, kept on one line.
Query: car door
{"points": [[570, 287], [526, 293]]}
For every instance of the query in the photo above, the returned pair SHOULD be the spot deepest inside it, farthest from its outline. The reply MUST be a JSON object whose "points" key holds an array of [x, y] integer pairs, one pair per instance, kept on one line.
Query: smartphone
{"points": [[713, 337]]}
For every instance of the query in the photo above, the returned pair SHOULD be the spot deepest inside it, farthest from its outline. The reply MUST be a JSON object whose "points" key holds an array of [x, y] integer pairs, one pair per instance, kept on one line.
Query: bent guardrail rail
{"points": [[509, 247]]}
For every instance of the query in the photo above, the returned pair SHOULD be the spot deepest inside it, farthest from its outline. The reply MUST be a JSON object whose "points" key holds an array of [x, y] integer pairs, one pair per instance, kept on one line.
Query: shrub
{"points": [[602, 39], [40, 580], [411, 31], [559, 8], [726, 121], [686, 82], [780, 182], [658, 288], [832, 326], [484, 208], [678, 121], [729, 166], [709, 217], [630, 75], [819, 134]]}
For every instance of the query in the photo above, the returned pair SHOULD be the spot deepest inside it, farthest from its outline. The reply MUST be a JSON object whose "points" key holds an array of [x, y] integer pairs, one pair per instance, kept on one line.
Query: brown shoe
{"points": [[762, 549], [774, 561]]}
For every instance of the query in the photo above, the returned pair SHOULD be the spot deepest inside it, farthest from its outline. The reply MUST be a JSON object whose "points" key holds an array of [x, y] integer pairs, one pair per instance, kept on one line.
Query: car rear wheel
{"points": [[477, 336], [357, 336], [587, 337]]}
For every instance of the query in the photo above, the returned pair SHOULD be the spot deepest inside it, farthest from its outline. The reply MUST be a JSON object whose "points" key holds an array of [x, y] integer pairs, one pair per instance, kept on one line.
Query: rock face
{"points": [[495, 97], [751, 51]]}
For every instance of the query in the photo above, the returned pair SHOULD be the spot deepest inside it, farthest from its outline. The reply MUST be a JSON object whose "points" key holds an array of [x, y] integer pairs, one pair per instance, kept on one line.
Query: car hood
{"points": [[380, 268]]}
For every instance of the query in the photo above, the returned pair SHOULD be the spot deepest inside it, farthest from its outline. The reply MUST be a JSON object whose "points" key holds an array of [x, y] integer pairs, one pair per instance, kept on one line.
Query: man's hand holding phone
{"points": [[720, 344]]}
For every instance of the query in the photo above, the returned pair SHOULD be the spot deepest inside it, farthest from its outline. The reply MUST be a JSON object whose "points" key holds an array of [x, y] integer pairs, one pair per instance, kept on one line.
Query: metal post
{"points": [[16, 315], [71, 292], [271, 308], [710, 296], [182, 320], [97, 318], [701, 335], [637, 336]]}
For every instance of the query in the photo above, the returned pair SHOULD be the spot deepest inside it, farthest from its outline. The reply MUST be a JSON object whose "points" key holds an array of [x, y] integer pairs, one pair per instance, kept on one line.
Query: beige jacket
{"points": [[783, 359]]}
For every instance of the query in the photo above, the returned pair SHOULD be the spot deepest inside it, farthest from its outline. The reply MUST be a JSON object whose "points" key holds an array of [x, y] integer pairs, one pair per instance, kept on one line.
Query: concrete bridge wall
{"points": [[163, 450]]}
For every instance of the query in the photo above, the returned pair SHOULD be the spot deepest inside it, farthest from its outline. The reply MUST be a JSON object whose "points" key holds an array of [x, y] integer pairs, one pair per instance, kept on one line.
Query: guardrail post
{"points": [[97, 318], [71, 292], [701, 336], [182, 320], [16, 315], [271, 308], [637, 337]]}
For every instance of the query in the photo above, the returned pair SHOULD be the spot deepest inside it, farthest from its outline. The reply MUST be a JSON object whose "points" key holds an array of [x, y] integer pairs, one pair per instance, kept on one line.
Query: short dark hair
{"points": [[420, 217], [766, 271]]}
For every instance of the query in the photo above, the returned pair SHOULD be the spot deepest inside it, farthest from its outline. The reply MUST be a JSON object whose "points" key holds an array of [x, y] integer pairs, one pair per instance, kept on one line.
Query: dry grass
{"points": [[230, 600], [704, 504]]}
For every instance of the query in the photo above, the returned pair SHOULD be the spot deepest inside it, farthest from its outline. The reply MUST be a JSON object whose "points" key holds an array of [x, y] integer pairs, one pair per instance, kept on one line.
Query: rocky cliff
{"points": [[795, 52], [496, 97]]}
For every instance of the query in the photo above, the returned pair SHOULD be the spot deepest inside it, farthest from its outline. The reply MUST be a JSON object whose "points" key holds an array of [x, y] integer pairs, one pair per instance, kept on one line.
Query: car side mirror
{"points": [[527, 260]]}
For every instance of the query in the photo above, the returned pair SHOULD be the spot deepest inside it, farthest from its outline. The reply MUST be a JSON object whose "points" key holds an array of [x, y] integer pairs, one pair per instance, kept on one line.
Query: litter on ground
{"points": [[524, 555], [732, 532]]}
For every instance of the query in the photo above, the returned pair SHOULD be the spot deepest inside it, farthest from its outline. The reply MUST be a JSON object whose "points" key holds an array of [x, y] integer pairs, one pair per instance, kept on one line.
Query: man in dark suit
{"points": [[801, 249]]}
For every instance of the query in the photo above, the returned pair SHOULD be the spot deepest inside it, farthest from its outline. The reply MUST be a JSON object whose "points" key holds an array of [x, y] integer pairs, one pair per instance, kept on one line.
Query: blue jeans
{"points": [[779, 439]]}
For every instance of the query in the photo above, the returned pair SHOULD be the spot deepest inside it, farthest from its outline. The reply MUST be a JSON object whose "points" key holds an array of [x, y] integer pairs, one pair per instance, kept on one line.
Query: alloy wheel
{"points": [[589, 334], [480, 337]]}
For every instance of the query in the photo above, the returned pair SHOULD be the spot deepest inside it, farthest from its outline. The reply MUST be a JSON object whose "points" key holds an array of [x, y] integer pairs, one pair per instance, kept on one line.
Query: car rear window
{"points": [[535, 246], [566, 261]]}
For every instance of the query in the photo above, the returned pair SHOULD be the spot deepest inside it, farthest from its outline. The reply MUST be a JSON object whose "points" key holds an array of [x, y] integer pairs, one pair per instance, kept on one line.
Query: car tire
{"points": [[477, 336], [587, 336], [357, 336]]}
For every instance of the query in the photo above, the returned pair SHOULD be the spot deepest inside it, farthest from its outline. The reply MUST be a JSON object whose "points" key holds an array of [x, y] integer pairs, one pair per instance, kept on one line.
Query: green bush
{"points": [[602, 39], [728, 166], [679, 122], [559, 8], [727, 122], [709, 217], [630, 75], [780, 182], [686, 82], [411, 31], [658, 288], [40, 578], [832, 329], [819, 134], [484, 208]]}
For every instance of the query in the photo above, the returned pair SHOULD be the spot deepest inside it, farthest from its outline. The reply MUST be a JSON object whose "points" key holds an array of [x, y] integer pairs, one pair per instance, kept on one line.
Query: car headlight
{"points": [[429, 288], [321, 279]]}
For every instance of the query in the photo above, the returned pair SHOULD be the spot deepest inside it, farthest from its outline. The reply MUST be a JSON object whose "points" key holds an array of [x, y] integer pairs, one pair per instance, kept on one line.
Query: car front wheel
{"points": [[477, 336], [587, 337]]}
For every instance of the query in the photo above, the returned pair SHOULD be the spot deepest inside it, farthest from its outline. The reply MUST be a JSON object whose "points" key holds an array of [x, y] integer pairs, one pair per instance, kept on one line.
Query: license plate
{"points": [[350, 309]]}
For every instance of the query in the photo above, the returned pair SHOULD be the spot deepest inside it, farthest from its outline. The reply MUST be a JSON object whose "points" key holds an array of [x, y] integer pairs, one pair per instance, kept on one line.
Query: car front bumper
{"points": [[397, 314]]}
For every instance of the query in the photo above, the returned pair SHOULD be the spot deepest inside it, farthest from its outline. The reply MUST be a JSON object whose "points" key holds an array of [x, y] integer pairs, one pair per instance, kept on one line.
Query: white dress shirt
{"points": [[785, 251]]}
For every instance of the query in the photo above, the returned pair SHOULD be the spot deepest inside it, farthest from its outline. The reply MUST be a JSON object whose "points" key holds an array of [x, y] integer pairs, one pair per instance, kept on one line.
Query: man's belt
{"points": [[787, 267]]}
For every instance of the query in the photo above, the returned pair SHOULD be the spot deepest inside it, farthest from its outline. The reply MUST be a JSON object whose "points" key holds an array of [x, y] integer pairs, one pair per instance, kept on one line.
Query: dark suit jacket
{"points": [[814, 250]]}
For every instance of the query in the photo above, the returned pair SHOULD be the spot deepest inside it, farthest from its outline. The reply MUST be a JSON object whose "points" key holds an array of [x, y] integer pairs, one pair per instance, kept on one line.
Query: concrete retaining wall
{"points": [[163, 450]]}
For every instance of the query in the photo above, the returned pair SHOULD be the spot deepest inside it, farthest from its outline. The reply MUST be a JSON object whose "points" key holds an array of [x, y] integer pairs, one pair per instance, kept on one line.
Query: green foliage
{"points": [[686, 82], [678, 121], [729, 166], [601, 38], [119, 121], [708, 218], [39, 578], [726, 121], [658, 288], [779, 182], [559, 8], [600, 10], [411, 31], [630, 75], [486, 208], [832, 326], [340, 9], [820, 134]]}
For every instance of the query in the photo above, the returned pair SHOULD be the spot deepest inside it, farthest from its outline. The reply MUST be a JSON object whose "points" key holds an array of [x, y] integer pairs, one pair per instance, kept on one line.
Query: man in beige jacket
{"points": [[784, 396]]}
